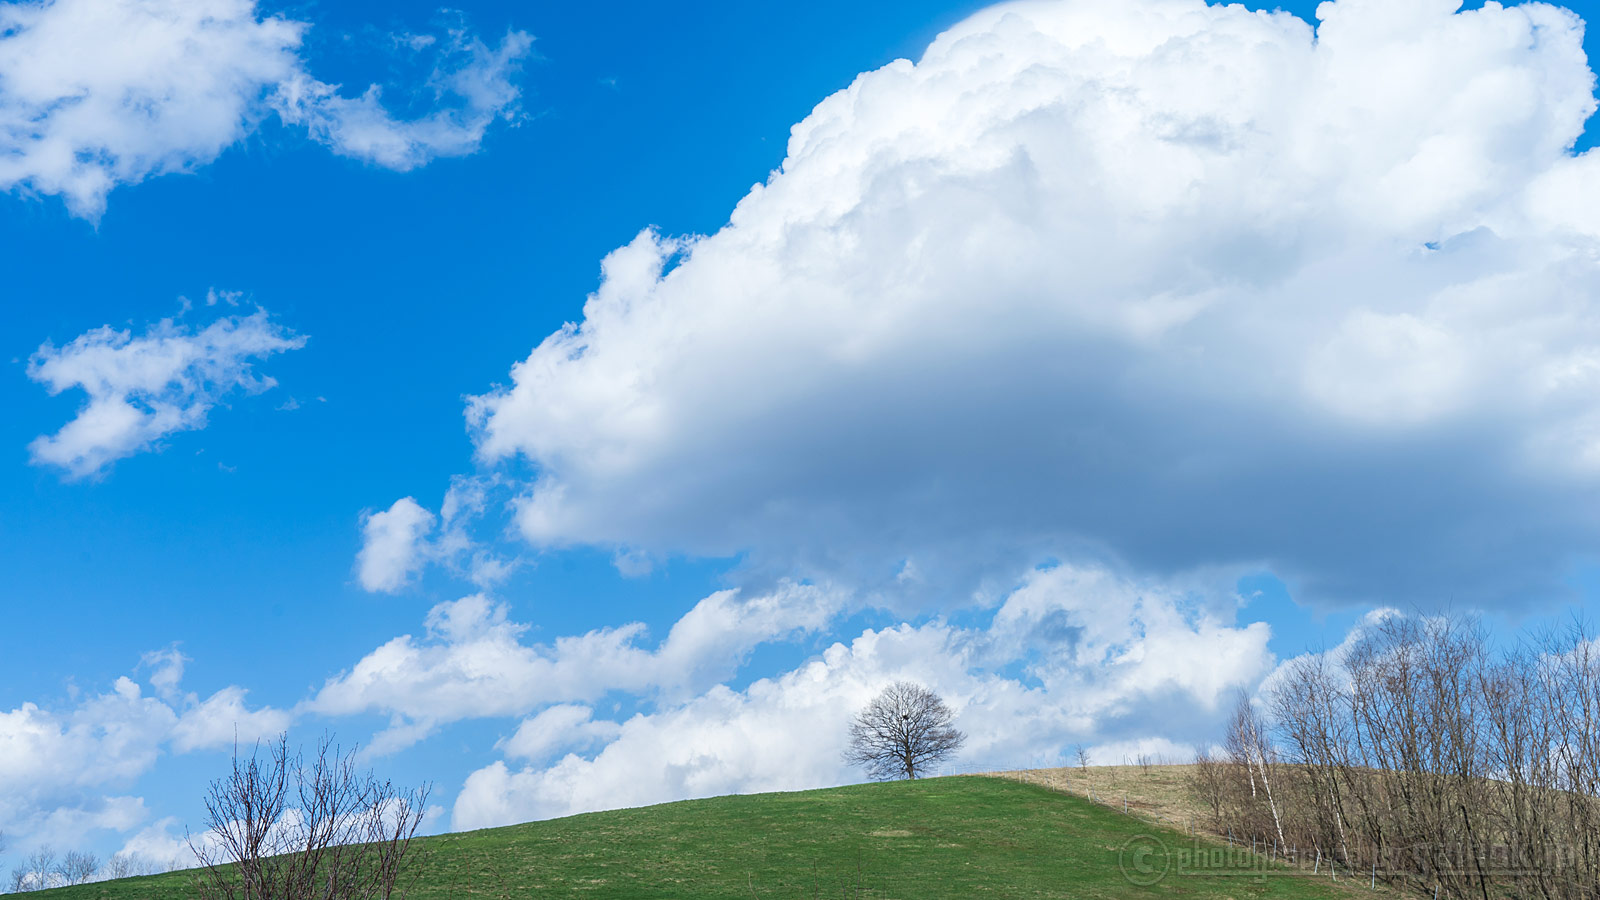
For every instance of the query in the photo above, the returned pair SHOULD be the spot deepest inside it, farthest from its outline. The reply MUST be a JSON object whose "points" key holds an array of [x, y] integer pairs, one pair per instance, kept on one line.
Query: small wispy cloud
{"points": [[176, 82], [143, 388]]}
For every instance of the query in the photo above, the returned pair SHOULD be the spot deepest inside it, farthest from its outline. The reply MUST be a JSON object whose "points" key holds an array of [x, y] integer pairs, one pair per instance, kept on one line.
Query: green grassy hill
{"points": [[941, 838]]}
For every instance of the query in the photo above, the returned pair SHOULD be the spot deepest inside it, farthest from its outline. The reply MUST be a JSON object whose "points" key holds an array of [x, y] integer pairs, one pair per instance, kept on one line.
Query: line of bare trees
{"points": [[44, 868], [1427, 757]]}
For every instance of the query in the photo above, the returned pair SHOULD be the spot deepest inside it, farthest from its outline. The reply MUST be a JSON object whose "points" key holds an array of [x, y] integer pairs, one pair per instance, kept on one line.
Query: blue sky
{"points": [[1137, 452]]}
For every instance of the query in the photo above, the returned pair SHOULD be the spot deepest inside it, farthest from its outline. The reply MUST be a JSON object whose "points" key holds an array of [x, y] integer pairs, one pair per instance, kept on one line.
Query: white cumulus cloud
{"points": [[1189, 285], [558, 727], [97, 93], [473, 662], [1073, 654], [393, 548], [61, 769], [141, 389], [223, 719], [399, 542]]}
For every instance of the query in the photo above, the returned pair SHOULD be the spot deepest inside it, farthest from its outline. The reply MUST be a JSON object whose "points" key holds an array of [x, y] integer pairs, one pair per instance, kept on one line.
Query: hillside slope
{"points": [[952, 838], [1157, 792]]}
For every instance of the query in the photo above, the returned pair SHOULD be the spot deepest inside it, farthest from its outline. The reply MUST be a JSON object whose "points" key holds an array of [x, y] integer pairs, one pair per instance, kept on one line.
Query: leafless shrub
{"points": [[1208, 781], [130, 865], [282, 827], [903, 731], [1082, 753], [77, 867]]}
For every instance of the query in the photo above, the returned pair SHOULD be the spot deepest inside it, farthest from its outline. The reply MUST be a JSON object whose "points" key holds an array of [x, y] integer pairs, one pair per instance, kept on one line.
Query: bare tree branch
{"points": [[281, 827]]}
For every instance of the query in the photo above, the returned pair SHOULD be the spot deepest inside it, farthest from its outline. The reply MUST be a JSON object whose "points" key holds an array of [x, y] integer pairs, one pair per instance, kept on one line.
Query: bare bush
{"points": [[1209, 783], [281, 827], [903, 731], [130, 865], [77, 867]]}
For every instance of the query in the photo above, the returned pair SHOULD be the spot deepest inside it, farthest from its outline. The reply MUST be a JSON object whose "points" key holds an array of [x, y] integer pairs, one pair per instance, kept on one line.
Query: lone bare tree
{"points": [[905, 729], [287, 828]]}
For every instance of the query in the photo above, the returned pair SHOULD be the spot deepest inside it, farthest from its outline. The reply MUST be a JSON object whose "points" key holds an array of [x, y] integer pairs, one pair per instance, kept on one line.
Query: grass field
{"points": [[952, 838]]}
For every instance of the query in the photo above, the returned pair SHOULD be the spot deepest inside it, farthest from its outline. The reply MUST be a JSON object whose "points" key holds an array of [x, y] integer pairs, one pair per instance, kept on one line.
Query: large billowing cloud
{"points": [[97, 93], [1071, 655], [142, 389], [1185, 285]]}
